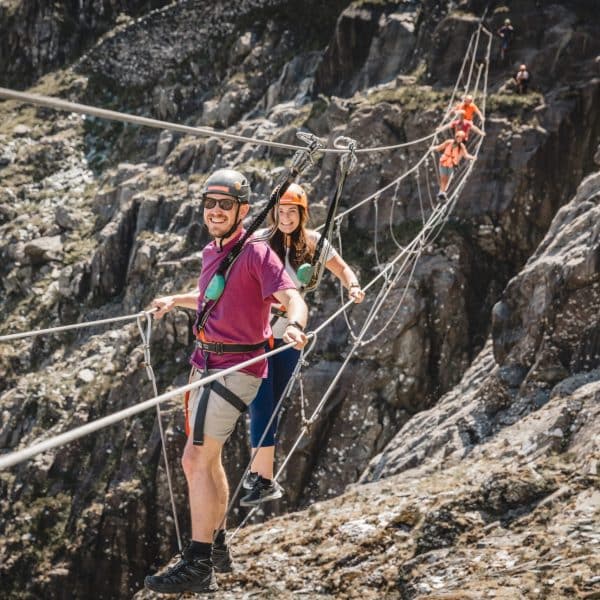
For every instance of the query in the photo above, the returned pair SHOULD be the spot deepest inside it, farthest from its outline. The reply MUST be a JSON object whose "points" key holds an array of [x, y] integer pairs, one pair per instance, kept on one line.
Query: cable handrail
{"points": [[439, 215], [32, 333], [113, 115], [18, 456]]}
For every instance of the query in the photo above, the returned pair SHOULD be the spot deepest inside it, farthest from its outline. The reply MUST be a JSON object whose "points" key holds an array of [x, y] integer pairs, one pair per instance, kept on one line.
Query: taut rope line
{"points": [[25, 334], [146, 335], [113, 115]]}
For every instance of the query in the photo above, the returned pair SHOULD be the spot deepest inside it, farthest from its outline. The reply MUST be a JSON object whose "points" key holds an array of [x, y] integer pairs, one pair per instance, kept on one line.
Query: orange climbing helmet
{"points": [[295, 196]]}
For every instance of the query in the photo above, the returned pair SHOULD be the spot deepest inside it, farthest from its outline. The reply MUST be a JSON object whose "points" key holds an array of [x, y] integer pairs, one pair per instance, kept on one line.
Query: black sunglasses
{"points": [[224, 203]]}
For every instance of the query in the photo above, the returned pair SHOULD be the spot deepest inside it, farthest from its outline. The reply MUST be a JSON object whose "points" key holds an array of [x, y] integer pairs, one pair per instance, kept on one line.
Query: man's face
{"points": [[222, 216]]}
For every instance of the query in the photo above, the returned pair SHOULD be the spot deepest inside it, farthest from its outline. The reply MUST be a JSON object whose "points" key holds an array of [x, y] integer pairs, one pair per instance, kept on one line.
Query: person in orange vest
{"points": [[453, 151], [469, 108], [462, 124]]}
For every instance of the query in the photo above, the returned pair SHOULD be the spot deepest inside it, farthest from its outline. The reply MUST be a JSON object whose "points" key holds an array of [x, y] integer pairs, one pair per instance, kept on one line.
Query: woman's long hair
{"points": [[302, 249]]}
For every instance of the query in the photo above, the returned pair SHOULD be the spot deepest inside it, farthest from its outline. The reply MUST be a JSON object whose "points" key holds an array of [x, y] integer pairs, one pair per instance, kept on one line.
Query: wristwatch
{"points": [[296, 325]]}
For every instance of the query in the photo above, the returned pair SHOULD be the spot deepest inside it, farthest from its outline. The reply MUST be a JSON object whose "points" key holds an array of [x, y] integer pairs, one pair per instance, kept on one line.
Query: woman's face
{"points": [[289, 218]]}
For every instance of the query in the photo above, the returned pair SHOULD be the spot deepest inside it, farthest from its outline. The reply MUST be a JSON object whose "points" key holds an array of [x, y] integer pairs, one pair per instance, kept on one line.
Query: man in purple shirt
{"points": [[233, 326]]}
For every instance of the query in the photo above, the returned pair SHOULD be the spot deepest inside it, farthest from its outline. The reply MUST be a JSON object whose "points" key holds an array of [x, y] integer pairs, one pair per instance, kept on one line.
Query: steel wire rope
{"points": [[25, 334], [420, 198], [105, 421], [378, 265], [410, 252], [19, 456], [428, 183], [12, 458], [413, 259], [334, 382], [112, 115], [394, 203], [367, 323], [389, 284], [477, 33], [146, 336]]}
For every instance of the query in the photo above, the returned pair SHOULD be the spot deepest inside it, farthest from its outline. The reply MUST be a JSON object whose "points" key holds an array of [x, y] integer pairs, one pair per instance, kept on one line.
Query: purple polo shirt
{"points": [[243, 313]]}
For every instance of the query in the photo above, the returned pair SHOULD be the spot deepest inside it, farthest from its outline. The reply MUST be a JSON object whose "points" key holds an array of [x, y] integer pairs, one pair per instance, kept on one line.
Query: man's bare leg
{"points": [[207, 487]]}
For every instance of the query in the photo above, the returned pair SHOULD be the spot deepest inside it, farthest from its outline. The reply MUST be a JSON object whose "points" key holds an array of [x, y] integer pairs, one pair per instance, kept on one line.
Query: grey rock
{"points": [[43, 250], [21, 130], [163, 146], [67, 218]]}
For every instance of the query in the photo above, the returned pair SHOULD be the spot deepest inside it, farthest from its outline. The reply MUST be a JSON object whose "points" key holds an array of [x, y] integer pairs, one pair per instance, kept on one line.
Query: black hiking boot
{"points": [[190, 574], [263, 491], [250, 480], [221, 556]]}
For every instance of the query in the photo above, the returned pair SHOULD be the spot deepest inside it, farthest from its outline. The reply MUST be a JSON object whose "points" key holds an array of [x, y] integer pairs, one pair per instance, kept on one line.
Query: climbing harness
{"points": [[214, 291], [197, 429]]}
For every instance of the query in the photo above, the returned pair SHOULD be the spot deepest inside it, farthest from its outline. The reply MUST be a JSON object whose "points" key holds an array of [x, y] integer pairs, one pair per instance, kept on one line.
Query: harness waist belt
{"points": [[223, 348], [278, 312]]}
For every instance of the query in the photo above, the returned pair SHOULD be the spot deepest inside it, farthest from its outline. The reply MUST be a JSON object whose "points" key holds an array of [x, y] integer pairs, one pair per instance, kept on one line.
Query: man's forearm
{"points": [[297, 310], [189, 300]]}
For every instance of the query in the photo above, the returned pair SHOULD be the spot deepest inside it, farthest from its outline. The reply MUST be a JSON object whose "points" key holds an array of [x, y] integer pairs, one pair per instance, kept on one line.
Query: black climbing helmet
{"points": [[230, 182]]}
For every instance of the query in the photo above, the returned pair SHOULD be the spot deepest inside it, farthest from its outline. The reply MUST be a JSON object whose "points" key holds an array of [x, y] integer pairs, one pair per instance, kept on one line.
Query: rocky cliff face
{"points": [[473, 415], [41, 36]]}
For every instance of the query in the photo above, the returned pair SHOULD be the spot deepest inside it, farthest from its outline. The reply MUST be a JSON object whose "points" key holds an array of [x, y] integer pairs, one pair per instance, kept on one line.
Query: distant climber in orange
{"points": [[453, 151], [462, 124], [469, 108]]}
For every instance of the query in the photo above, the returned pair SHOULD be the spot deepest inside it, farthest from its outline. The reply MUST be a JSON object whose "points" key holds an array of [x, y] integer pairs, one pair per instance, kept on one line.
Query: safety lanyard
{"points": [[309, 274]]}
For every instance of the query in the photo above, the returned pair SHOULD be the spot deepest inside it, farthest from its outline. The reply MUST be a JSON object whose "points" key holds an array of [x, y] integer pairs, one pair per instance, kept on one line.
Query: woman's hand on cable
{"points": [[294, 333], [163, 306], [355, 293]]}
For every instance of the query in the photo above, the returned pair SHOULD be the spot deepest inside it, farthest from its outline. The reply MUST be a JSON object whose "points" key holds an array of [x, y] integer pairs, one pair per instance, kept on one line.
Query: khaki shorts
{"points": [[221, 415]]}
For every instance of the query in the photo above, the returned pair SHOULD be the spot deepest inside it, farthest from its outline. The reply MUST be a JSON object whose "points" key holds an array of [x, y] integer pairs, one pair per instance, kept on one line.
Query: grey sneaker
{"points": [[263, 491], [250, 480], [190, 574]]}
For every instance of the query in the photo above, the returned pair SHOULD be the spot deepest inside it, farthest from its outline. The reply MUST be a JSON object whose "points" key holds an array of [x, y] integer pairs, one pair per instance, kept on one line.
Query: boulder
{"points": [[43, 250]]}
